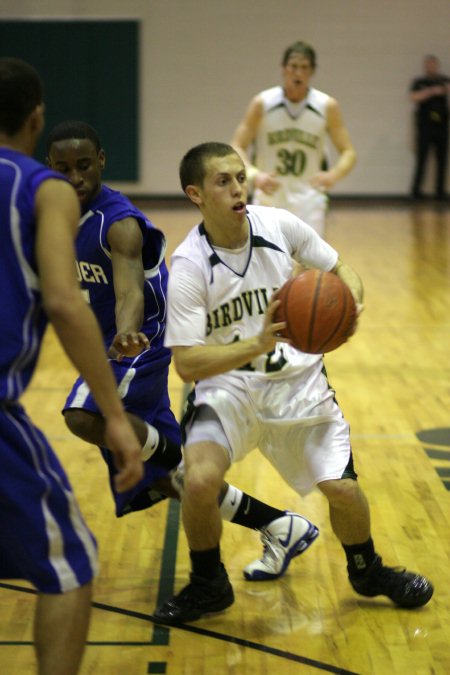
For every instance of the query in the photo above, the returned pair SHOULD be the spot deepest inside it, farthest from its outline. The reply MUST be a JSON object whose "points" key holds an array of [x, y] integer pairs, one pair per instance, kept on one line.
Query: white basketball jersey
{"points": [[290, 144], [210, 303]]}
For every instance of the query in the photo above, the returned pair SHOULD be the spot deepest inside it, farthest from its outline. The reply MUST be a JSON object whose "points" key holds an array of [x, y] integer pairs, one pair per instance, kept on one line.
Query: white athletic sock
{"points": [[231, 502], [151, 443]]}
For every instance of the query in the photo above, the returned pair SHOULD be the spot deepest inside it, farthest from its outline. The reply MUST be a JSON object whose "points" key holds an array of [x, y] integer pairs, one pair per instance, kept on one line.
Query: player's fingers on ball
{"points": [[273, 305], [275, 295], [279, 327]]}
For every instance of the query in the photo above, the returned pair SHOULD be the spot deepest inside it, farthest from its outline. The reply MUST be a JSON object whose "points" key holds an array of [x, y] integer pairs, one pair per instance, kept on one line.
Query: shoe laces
{"points": [[271, 547], [194, 593], [399, 579], [404, 584], [392, 574]]}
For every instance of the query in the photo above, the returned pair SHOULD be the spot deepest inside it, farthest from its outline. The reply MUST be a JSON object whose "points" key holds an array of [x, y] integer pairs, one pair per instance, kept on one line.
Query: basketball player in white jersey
{"points": [[120, 254], [252, 389], [282, 141]]}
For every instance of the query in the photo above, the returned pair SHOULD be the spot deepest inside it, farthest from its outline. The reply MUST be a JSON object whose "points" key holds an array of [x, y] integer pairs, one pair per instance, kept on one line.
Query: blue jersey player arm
{"points": [[126, 241], [57, 213]]}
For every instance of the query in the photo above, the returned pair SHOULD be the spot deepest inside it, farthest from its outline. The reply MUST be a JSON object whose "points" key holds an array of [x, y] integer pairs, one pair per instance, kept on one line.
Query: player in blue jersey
{"points": [[121, 269], [43, 537], [120, 260]]}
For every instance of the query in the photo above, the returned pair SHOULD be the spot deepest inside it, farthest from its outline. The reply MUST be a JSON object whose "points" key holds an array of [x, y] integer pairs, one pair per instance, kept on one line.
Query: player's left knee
{"points": [[340, 493], [78, 422]]}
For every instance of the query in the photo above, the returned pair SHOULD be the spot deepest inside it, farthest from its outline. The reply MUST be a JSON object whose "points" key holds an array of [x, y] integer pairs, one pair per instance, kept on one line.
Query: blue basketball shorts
{"points": [[43, 537], [144, 393]]}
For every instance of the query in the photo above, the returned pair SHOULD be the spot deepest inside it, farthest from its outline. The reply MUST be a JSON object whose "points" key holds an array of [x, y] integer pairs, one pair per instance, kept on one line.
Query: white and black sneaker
{"points": [[283, 539]]}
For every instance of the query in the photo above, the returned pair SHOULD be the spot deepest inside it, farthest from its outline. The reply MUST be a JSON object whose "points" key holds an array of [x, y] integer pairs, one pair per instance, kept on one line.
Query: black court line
{"points": [[437, 448], [273, 651], [161, 634], [442, 471], [438, 454]]}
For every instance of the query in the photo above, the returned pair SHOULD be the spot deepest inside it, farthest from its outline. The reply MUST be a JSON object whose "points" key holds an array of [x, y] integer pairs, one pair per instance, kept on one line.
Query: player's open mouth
{"points": [[240, 206]]}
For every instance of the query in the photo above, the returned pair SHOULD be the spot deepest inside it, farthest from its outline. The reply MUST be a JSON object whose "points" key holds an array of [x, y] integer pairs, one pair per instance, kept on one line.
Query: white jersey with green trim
{"points": [[290, 144], [219, 296]]}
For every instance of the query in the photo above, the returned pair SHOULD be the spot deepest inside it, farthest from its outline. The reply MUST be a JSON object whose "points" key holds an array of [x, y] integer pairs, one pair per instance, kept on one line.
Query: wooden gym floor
{"points": [[393, 383]]}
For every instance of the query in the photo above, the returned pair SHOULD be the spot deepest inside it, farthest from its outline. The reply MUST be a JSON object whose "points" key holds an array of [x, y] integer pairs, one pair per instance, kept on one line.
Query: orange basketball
{"points": [[319, 311]]}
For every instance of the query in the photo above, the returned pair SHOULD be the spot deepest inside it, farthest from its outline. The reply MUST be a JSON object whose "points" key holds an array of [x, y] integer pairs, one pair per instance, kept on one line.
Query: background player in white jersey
{"points": [[282, 141], [120, 257], [43, 537], [252, 389]]}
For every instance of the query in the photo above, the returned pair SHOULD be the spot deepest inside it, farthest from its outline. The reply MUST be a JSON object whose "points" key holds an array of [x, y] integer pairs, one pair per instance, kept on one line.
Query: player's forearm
{"points": [[344, 164], [242, 151], [129, 313], [352, 279], [203, 361]]}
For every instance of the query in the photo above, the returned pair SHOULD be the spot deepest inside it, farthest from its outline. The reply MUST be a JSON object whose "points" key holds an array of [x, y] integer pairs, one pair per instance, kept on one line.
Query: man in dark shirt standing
{"points": [[429, 93]]}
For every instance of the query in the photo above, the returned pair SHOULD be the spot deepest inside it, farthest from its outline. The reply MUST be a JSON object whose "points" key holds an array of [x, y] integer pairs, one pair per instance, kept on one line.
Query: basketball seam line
{"points": [[339, 324], [314, 310], [285, 308]]}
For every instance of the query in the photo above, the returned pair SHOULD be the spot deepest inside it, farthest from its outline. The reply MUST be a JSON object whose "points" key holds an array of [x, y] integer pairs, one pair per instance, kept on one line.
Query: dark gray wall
{"points": [[90, 73]]}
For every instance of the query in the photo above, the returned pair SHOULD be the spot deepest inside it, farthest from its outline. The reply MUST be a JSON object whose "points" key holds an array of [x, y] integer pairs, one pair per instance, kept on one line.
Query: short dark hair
{"points": [[73, 129], [192, 166], [302, 48], [21, 91]]}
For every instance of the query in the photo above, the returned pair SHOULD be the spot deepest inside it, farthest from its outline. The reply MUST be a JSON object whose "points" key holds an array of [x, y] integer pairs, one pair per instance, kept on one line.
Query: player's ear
{"points": [[102, 159], [36, 118], [193, 193]]}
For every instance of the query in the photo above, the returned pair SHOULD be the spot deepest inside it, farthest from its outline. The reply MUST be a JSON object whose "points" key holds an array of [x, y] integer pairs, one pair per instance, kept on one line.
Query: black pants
{"points": [[435, 136]]}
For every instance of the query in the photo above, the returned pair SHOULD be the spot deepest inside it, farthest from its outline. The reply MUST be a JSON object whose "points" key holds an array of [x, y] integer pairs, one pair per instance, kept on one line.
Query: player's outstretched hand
{"points": [[125, 446], [128, 344]]}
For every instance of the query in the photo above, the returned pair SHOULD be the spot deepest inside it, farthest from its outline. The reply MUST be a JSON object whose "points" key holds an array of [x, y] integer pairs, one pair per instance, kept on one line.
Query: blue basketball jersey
{"points": [[141, 380], [95, 272], [43, 537], [22, 318]]}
